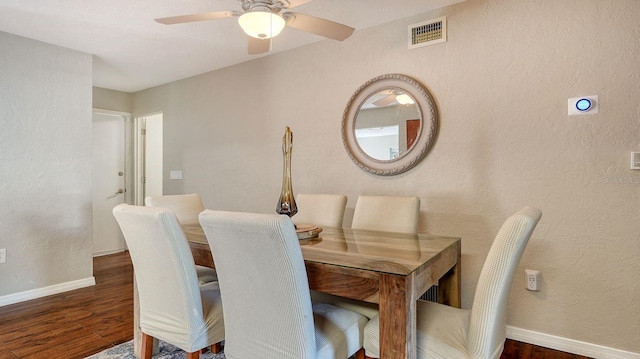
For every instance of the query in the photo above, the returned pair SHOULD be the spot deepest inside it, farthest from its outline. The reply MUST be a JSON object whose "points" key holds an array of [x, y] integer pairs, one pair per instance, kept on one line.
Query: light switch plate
{"points": [[635, 160], [175, 175]]}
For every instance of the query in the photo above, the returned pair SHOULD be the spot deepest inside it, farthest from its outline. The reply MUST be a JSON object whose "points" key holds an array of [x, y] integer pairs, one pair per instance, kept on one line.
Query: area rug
{"points": [[167, 351]]}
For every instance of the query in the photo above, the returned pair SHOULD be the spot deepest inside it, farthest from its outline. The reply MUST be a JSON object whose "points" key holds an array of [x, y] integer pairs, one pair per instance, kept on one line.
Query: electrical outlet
{"points": [[532, 280], [3, 255]]}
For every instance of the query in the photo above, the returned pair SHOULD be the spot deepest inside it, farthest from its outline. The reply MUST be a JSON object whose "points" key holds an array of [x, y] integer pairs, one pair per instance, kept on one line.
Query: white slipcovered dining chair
{"points": [[324, 210], [265, 291], [380, 213], [387, 213], [173, 306], [478, 333], [186, 207]]}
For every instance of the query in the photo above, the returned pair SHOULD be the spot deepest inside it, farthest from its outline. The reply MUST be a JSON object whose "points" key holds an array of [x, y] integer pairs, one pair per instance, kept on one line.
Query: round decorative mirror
{"points": [[389, 124]]}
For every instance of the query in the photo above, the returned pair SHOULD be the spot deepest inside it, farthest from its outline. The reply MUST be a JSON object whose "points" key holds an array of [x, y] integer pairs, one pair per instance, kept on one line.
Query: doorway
{"points": [[149, 157], [109, 178]]}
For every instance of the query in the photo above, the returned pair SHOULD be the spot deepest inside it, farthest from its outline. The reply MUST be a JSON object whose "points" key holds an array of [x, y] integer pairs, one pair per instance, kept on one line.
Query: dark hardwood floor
{"points": [[86, 321], [74, 324]]}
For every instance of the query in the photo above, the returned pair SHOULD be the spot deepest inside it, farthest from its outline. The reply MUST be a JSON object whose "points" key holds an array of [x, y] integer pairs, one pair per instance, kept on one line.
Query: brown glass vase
{"points": [[287, 203]]}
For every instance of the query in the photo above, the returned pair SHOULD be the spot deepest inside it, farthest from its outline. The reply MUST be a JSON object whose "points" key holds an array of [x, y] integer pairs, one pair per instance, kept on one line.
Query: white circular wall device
{"points": [[583, 104]]}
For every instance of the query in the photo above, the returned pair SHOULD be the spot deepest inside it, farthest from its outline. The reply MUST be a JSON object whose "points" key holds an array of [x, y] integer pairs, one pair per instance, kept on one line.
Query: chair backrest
{"points": [[387, 213], [487, 326], [170, 302], [263, 284], [187, 207], [324, 210]]}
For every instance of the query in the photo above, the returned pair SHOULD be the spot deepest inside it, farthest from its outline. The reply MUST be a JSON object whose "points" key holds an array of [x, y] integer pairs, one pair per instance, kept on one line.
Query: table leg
{"points": [[397, 317], [449, 285]]}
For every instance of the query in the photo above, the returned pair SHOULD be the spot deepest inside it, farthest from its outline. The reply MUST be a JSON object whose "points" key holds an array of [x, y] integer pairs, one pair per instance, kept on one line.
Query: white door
{"points": [[108, 181]]}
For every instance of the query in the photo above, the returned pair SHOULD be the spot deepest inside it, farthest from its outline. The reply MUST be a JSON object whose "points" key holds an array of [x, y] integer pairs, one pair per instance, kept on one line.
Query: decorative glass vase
{"points": [[287, 203]]}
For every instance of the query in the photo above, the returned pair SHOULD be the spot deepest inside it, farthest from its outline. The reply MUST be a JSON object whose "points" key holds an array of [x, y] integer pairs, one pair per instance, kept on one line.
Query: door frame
{"points": [[139, 155]]}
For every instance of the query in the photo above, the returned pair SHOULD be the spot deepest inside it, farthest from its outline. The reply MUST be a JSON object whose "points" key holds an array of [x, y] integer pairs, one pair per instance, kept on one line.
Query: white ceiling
{"points": [[132, 52]]}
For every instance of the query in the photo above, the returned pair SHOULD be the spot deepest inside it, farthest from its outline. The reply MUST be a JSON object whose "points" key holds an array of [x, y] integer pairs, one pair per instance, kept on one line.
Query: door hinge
{"points": [[143, 179], [143, 132]]}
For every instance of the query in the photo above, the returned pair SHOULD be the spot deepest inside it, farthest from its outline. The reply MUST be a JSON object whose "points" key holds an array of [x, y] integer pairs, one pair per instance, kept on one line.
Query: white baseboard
{"points": [[107, 252], [568, 345], [43, 292]]}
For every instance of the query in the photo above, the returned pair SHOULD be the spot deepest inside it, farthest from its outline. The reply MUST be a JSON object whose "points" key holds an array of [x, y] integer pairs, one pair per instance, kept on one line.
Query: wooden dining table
{"points": [[390, 269]]}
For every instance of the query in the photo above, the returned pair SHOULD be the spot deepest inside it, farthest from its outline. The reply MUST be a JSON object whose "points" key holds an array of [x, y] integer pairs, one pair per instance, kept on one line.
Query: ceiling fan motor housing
{"points": [[274, 6]]}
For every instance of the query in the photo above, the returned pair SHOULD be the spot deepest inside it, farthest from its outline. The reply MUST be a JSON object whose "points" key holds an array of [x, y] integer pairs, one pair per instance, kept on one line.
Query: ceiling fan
{"points": [[264, 19], [390, 97]]}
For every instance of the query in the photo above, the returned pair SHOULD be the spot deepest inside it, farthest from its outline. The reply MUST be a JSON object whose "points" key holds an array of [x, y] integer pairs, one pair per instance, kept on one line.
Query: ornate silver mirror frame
{"points": [[362, 100]]}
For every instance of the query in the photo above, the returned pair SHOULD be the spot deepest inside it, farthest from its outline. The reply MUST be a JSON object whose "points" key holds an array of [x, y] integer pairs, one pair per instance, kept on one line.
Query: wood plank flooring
{"points": [[86, 321], [74, 324]]}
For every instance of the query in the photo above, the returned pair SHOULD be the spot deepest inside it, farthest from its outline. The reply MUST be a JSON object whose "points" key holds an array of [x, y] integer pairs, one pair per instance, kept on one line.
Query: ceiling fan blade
{"points": [[318, 26], [258, 46], [197, 17], [385, 101]]}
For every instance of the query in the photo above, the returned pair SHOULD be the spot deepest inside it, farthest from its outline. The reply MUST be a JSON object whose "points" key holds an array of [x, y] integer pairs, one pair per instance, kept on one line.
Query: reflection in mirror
{"points": [[387, 124]]}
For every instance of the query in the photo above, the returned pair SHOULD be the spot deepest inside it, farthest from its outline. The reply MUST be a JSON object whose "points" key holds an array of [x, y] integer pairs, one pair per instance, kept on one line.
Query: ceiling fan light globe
{"points": [[261, 24], [404, 99]]}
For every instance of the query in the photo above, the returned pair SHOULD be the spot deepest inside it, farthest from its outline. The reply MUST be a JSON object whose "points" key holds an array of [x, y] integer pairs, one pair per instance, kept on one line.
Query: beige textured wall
{"points": [[501, 83], [45, 166]]}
